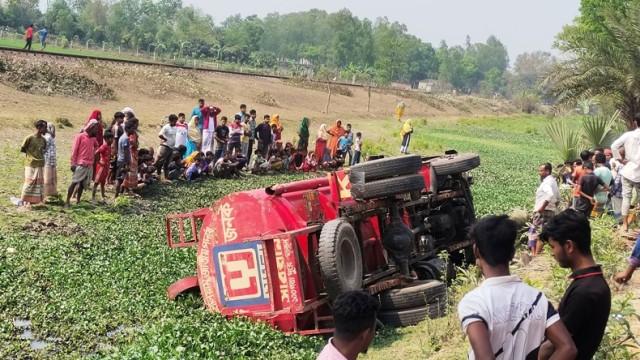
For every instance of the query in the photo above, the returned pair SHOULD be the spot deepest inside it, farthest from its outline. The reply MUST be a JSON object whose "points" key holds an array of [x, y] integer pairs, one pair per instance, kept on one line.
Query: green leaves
{"points": [[565, 139]]}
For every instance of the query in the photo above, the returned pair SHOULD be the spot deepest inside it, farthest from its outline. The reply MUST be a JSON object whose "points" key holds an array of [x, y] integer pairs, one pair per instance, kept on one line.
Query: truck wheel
{"points": [[388, 187], [408, 317], [419, 293], [456, 164], [340, 258], [389, 167]]}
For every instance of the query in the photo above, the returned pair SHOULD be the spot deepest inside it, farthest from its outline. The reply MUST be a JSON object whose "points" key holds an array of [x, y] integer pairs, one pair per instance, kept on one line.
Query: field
{"points": [[91, 281]]}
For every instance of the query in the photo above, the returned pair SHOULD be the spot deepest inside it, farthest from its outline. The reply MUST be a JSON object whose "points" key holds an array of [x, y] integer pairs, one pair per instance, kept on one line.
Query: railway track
{"points": [[150, 63]]}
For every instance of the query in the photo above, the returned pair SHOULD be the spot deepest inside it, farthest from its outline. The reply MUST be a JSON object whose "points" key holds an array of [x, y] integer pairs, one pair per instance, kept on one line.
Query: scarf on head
{"points": [[275, 120], [337, 130], [406, 128], [322, 132], [304, 129], [128, 110], [51, 129], [94, 116], [91, 123], [194, 133]]}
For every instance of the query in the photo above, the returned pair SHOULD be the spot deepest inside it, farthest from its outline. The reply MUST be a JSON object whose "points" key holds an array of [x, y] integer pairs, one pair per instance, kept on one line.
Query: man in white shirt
{"points": [[504, 317], [631, 171], [165, 151], [354, 322], [547, 197]]}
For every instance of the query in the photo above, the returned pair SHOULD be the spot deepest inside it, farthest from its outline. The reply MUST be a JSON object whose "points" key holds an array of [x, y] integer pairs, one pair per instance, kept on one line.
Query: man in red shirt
{"points": [[83, 159], [29, 35]]}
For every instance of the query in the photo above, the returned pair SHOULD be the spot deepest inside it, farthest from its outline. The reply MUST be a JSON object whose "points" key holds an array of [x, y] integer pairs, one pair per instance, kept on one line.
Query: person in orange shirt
{"points": [[336, 132], [29, 36]]}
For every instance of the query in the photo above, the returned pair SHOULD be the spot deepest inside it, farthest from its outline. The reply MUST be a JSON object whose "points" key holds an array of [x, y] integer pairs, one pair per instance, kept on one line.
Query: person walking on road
{"points": [[29, 37], [405, 134]]}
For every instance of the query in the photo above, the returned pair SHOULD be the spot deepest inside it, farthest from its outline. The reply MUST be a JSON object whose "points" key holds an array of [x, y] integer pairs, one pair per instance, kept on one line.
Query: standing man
{"points": [[263, 134], [29, 36], [252, 133], [84, 156], [243, 111], [631, 171], [221, 136], [34, 147], [165, 151], [235, 135], [504, 317], [354, 319], [547, 197], [578, 171], [585, 306], [210, 115], [43, 37], [589, 185]]}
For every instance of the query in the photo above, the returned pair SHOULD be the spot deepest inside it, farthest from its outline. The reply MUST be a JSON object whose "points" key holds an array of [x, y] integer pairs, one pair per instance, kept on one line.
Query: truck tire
{"points": [[413, 316], [456, 164], [388, 167], [340, 258], [388, 187], [419, 293]]}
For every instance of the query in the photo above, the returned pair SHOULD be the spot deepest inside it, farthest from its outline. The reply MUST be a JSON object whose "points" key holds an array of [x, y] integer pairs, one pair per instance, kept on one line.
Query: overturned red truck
{"points": [[281, 254]]}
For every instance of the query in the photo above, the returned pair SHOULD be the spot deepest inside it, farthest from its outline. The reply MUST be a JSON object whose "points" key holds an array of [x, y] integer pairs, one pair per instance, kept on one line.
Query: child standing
{"points": [[357, 148], [34, 147], [102, 170], [182, 131], [50, 170]]}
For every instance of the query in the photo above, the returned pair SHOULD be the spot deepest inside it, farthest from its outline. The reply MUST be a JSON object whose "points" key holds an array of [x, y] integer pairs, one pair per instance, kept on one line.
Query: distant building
{"points": [[427, 85]]}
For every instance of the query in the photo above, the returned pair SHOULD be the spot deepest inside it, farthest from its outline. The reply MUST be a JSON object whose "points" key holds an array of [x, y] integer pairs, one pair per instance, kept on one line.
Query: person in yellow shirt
{"points": [[400, 109], [405, 134]]}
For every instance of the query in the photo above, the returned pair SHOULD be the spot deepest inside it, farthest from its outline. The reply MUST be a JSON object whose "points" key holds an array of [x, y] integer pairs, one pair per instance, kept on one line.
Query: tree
{"points": [[61, 20], [604, 64], [529, 68]]}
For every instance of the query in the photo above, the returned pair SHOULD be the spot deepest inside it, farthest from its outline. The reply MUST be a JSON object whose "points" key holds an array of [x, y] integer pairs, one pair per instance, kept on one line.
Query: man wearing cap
{"points": [[83, 159]]}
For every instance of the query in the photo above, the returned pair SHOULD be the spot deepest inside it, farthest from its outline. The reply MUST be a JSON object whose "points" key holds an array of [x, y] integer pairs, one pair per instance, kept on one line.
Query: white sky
{"points": [[522, 25]]}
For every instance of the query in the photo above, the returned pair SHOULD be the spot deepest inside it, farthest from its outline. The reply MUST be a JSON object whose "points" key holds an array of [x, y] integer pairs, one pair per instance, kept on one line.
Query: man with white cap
{"points": [[83, 160]]}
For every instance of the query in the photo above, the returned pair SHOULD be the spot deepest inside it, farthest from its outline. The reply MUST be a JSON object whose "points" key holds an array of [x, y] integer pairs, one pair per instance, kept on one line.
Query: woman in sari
{"points": [[275, 120], [303, 136], [321, 141], [131, 177], [97, 114], [405, 134], [336, 132], [194, 137]]}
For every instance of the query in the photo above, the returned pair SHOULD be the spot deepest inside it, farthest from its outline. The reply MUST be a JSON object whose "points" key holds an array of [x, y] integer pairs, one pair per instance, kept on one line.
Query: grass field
{"points": [[35, 46], [91, 281]]}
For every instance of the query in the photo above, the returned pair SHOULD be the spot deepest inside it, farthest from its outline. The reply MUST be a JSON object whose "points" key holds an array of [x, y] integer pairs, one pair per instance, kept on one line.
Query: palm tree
{"points": [[602, 64]]}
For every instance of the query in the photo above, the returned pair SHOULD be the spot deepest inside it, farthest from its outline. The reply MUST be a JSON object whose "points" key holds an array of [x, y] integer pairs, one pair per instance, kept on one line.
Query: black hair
{"points": [[585, 155], [181, 115], [257, 152], [578, 161], [587, 165], [568, 162], [252, 111], [495, 238], [40, 124], [173, 117], [107, 135], [243, 106], [209, 153], [201, 100], [600, 158], [358, 133], [349, 125], [569, 225], [223, 118], [267, 116], [129, 127], [353, 313], [599, 149], [118, 115], [143, 152], [237, 116], [182, 150], [547, 167]]}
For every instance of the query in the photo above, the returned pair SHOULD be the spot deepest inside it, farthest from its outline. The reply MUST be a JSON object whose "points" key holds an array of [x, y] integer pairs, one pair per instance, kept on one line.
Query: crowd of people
{"points": [[207, 145]]}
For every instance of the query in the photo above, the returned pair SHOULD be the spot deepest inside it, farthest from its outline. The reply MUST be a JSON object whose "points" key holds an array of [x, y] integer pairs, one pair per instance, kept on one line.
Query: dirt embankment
{"points": [[42, 86]]}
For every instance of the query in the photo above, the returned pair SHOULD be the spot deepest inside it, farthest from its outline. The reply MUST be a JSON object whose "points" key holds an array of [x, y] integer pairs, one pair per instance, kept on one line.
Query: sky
{"points": [[521, 25]]}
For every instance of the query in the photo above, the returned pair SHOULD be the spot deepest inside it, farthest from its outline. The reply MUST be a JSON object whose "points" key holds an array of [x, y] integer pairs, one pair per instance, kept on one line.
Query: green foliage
{"points": [[605, 63], [600, 131], [565, 139]]}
